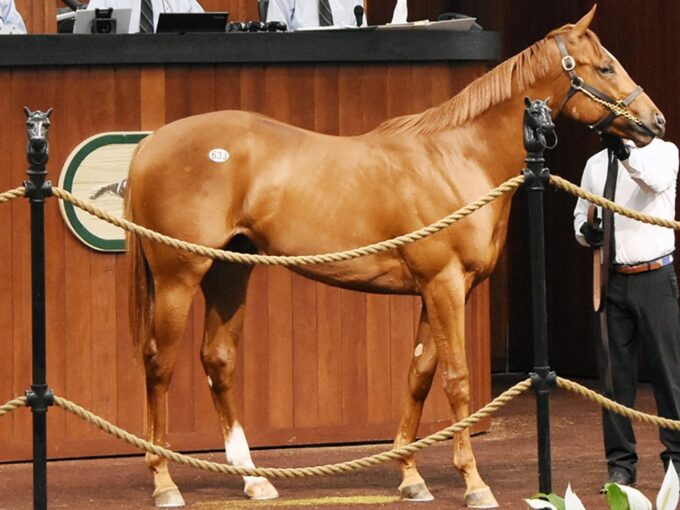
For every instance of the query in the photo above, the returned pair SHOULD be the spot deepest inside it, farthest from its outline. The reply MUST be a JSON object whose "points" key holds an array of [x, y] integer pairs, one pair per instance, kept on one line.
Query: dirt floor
{"points": [[506, 457]]}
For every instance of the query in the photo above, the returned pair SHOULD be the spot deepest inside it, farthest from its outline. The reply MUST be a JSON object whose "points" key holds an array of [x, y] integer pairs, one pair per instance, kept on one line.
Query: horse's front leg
{"points": [[224, 288], [445, 302], [423, 366]]}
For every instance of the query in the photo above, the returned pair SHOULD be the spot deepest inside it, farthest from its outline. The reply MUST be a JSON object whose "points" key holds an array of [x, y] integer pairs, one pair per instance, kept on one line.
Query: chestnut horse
{"points": [[276, 189]]}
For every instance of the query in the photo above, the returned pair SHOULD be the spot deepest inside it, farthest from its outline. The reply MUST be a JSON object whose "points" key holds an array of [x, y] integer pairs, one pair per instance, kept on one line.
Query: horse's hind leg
{"points": [[445, 301], [225, 288], [173, 297], [423, 366]]}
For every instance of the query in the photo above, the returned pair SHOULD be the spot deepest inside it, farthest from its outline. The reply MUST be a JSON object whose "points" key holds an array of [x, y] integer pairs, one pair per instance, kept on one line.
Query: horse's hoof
{"points": [[481, 498], [168, 498], [261, 489], [416, 492]]}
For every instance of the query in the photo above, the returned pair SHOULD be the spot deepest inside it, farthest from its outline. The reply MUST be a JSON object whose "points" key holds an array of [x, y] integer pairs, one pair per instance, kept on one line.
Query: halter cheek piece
{"points": [[615, 107]]}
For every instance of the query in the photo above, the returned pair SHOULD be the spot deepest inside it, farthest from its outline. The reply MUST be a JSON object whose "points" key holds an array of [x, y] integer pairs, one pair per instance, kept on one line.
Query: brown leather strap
{"points": [[597, 262]]}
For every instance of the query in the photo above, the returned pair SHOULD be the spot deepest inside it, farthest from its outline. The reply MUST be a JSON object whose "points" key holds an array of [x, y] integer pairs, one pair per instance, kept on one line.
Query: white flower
{"points": [[540, 504], [571, 500], [636, 500], [667, 498]]}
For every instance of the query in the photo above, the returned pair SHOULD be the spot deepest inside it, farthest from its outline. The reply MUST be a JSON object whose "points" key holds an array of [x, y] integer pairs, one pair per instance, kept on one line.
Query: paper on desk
{"points": [[400, 12]]}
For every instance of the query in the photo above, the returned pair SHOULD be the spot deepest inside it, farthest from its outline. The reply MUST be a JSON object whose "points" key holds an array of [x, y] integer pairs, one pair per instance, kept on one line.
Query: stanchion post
{"points": [[536, 177], [39, 397]]}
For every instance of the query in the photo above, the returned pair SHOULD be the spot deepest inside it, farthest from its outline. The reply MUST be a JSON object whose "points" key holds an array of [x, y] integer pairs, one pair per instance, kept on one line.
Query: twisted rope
{"points": [[244, 258], [12, 405], [569, 187], [328, 469], [12, 194], [616, 407]]}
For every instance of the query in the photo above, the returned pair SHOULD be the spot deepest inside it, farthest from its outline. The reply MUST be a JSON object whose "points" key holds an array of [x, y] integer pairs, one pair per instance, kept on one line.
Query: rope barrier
{"points": [[357, 464], [282, 260], [11, 194], [616, 407], [327, 469], [12, 405], [569, 187]]}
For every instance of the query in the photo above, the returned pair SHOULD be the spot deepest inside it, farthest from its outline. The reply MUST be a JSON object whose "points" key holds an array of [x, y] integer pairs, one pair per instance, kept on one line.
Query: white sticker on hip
{"points": [[219, 155]]}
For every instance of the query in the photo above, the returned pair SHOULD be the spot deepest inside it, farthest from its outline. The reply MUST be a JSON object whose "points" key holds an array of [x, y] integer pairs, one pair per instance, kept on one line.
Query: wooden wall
{"points": [[317, 364]]}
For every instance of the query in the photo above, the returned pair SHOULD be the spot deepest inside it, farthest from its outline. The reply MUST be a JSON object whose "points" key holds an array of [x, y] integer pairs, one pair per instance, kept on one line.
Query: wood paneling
{"points": [[316, 364]]}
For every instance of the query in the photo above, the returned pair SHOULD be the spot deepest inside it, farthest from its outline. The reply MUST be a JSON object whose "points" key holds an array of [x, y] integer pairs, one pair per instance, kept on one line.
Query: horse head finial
{"points": [[538, 124], [37, 126]]}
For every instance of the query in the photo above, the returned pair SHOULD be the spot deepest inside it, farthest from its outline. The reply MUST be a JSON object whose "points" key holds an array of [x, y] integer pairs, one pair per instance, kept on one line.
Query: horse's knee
{"points": [[457, 386], [219, 363]]}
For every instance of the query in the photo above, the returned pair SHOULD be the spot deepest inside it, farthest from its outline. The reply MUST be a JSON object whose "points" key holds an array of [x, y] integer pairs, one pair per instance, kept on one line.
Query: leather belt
{"points": [[644, 266]]}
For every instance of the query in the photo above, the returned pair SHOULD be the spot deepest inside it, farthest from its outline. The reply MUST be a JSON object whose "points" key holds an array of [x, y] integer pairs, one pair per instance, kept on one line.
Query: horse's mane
{"points": [[507, 78]]}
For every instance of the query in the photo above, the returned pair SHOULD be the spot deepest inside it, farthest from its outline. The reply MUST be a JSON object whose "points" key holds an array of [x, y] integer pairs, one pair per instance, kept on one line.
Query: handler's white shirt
{"points": [[305, 13], [158, 7], [646, 183], [10, 16]]}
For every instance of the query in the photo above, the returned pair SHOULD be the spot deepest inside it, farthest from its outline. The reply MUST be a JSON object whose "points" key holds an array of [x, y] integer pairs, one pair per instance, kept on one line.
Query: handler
{"points": [[641, 302]]}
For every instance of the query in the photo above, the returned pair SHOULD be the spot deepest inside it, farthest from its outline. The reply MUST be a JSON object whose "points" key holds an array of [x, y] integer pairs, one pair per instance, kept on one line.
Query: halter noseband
{"points": [[615, 107]]}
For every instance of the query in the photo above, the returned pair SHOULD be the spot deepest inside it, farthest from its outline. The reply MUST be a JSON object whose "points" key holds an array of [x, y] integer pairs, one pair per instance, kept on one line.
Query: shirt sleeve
{"points": [[12, 17], [654, 167], [281, 10], [582, 205], [194, 6]]}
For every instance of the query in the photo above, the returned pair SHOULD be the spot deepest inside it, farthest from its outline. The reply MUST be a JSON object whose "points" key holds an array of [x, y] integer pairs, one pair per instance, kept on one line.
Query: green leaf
{"points": [[616, 498]]}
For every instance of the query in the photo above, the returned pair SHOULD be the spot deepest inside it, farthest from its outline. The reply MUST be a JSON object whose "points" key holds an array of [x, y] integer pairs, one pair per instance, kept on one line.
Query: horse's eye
{"points": [[606, 69]]}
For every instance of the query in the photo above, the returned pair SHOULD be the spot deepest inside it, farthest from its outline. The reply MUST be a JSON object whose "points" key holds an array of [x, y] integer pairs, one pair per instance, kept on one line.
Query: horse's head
{"points": [[599, 91], [37, 126]]}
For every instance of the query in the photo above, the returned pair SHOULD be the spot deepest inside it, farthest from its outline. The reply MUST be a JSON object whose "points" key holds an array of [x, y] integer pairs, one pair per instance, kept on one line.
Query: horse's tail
{"points": [[142, 294]]}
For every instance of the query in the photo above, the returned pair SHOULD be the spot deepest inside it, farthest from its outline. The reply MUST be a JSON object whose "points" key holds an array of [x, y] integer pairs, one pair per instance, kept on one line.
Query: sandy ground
{"points": [[506, 457]]}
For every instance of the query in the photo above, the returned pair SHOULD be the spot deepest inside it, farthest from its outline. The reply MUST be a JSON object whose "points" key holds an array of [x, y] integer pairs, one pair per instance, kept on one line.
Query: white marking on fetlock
{"points": [[418, 350], [238, 455]]}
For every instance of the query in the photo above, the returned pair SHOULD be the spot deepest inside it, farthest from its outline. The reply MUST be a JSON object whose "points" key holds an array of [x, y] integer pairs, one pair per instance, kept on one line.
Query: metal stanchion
{"points": [[536, 126], [39, 397]]}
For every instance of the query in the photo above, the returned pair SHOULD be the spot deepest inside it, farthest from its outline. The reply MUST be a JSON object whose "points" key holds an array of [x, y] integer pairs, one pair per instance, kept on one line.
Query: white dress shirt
{"points": [[646, 183], [305, 13], [10, 15], [158, 7]]}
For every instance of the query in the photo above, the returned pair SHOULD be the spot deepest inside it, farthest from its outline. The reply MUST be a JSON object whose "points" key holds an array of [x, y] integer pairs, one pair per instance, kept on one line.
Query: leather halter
{"points": [[578, 85]]}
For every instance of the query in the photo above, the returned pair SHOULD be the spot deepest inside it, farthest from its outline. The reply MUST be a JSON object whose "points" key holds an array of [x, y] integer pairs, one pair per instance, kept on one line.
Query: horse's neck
{"points": [[495, 138]]}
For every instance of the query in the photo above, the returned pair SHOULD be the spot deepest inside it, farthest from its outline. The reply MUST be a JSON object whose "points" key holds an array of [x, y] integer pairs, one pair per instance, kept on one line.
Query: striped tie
{"points": [[325, 14], [146, 17]]}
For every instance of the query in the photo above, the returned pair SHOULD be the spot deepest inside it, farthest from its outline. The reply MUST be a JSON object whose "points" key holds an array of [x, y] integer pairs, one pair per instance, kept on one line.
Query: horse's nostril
{"points": [[659, 119]]}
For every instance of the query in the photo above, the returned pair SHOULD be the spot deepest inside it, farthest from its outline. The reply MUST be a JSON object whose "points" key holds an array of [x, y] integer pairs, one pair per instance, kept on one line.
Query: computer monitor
{"points": [[85, 22], [191, 22]]}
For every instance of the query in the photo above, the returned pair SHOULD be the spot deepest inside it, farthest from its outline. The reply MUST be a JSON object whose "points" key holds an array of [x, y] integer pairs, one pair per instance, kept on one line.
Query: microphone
{"points": [[359, 14]]}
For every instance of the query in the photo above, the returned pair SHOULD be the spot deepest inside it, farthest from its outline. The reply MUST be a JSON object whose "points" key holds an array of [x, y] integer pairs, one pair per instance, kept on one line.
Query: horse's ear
{"points": [[48, 112], [527, 101], [583, 24], [27, 111]]}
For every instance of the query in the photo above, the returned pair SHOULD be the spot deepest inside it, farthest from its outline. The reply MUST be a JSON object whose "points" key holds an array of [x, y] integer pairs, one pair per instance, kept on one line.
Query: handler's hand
{"points": [[593, 234], [617, 146]]}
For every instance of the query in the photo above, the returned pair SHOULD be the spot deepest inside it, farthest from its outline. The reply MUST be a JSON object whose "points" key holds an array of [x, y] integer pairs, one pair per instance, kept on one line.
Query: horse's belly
{"points": [[382, 278]]}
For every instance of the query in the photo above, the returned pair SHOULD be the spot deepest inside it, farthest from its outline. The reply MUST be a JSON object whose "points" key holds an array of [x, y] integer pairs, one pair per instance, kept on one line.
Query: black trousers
{"points": [[642, 313]]}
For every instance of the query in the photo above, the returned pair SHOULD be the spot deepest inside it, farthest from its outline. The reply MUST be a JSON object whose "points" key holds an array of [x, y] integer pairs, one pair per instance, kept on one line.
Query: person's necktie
{"points": [[607, 214], [146, 17], [325, 14]]}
